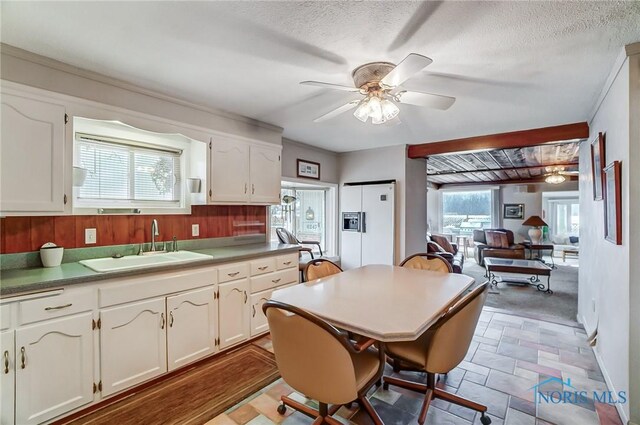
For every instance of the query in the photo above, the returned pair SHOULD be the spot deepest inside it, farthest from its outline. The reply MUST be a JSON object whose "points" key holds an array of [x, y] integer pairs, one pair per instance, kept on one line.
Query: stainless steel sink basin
{"points": [[130, 262]]}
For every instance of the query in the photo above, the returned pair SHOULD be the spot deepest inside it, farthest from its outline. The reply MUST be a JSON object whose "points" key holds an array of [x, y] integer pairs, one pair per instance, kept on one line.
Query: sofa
{"points": [[438, 244], [482, 249]]}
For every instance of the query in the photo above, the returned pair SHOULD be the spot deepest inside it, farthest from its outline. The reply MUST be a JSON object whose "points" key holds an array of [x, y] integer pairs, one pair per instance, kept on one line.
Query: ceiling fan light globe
{"points": [[375, 110], [389, 110], [362, 111], [555, 178]]}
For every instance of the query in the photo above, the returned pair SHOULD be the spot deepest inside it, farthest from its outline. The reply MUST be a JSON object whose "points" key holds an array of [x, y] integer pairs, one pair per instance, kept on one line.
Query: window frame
{"points": [[494, 204]]}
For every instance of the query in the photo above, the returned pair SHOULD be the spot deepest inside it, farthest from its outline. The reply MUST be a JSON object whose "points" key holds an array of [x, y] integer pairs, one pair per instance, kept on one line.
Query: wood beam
{"points": [[514, 139], [484, 170], [533, 180]]}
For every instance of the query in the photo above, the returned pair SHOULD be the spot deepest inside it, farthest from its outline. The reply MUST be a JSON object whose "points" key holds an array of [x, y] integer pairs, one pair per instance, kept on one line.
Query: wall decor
{"points": [[308, 169], [613, 203], [597, 164], [513, 211]]}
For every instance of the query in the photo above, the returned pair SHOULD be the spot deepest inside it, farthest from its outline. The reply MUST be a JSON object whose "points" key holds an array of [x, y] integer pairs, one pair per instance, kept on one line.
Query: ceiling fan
{"points": [[380, 84], [556, 175]]}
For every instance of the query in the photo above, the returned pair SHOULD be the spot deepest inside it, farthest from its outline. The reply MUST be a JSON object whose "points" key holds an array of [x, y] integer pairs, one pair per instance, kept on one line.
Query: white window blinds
{"points": [[128, 173]]}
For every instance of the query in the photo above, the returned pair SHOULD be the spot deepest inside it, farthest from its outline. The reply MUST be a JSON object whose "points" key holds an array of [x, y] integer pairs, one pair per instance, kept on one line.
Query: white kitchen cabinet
{"points": [[54, 368], [193, 324], [229, 171], [234, 312], [32, 161], [266, 174], [244, 172], [258, 319], [132, 344], [7, 378]]}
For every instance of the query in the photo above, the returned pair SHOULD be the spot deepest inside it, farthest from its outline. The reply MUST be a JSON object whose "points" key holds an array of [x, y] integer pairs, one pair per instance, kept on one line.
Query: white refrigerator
{"points": [[367, 224]]}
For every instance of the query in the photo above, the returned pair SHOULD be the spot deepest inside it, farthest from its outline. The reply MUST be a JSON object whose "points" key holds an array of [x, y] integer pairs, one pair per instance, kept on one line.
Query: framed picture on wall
{"points": [[613, 203], [597, 163], [308, 169], [513, 211]]}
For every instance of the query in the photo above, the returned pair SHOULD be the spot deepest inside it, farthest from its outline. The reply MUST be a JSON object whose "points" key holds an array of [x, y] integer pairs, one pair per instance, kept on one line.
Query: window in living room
{"points": [[465, 211], [562, 213]]}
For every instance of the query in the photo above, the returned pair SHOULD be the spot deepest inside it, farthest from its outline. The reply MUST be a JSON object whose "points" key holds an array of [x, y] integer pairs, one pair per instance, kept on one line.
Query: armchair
{"points": [[482, 248], [287, 237], [438, 244]]}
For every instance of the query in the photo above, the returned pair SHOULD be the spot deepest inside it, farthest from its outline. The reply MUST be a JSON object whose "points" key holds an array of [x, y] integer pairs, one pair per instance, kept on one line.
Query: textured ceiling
{"points": [[511, 65]]}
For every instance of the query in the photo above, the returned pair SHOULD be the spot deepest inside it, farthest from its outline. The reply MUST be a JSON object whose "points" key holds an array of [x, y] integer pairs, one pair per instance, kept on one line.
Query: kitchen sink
{"points": [[130, 262]]}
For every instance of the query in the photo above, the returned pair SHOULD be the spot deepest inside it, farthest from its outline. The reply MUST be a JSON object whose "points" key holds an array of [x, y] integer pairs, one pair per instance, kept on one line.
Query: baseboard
{"points": [[607, 379]]}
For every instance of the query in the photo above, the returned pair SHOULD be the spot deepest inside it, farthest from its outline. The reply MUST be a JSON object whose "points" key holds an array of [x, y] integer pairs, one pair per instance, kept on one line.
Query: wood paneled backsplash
{"points": [[24, 234]]}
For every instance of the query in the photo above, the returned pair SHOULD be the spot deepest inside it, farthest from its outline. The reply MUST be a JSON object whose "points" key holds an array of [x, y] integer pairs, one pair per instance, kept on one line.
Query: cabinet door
{"points": [[32, 160], [266, 174], [235, 315], [54, 368], [258, 319], [7, 378], [193, 321], [132, 344], [229, 171]]}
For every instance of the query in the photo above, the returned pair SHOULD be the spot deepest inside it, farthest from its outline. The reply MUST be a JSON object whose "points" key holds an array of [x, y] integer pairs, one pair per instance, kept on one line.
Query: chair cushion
{"points": [[496, 239], [414, 352], [444, 243], [366, 366]]}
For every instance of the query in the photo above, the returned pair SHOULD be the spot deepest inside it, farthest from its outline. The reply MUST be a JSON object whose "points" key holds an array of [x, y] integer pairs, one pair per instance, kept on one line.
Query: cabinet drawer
{"points": [[5, 316], [287, 261], [233, 271], [263, 265], [272, 280], [69, 302]]}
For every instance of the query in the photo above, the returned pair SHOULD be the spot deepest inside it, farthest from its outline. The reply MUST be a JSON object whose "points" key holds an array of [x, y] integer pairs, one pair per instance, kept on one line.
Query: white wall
{"points": [[26, 68], [603, 293], [391, 163], [292, 151]]}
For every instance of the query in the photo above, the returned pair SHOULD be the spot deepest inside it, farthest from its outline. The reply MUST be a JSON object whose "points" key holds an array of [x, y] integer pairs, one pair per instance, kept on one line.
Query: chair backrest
{"points": [[450, 337], [426, 261], [312, 356], [479, 235], [286, 236], [315, 269]]}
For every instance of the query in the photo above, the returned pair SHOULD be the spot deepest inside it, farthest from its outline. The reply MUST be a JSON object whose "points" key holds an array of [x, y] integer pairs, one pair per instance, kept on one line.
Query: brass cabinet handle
{"points": [[245, 188], [276, 280], [162, 318], [171, 319], [6, 361], [245, 296], [254, 311], [233, 274], [23, 358], [58, 307], [253, 189], [286, 263], [263, 268]]}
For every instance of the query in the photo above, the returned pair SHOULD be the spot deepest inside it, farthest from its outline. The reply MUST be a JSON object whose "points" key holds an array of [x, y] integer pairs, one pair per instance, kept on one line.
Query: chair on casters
{"points": [[317, 268], [425, 261], [439, 350], [319, 361]]}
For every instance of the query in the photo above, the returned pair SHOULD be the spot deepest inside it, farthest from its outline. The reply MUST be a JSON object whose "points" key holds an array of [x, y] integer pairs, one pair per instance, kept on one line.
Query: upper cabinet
{"points": [[32, 155], [244, 172]]}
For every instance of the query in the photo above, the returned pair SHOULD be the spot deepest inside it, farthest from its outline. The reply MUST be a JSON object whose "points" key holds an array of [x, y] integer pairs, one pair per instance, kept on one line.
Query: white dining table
{"points": [[385, 303]]}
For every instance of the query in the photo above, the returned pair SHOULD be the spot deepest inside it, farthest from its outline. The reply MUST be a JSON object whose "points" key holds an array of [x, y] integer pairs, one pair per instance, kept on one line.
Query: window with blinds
{"points": [[123, 173]]}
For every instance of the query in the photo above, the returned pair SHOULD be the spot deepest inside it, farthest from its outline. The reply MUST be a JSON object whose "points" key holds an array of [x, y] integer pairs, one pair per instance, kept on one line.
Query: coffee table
{"points": [[574, 252], [533, 268]]}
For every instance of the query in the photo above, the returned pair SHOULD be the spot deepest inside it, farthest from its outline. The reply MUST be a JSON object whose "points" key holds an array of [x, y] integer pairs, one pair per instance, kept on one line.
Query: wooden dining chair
{"points": [[425, 261], [319, 361], [439, 350], [315, 269]]}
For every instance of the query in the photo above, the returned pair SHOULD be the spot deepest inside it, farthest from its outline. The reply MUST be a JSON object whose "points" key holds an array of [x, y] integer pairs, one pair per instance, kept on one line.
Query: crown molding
{"points": [[35, 58]]}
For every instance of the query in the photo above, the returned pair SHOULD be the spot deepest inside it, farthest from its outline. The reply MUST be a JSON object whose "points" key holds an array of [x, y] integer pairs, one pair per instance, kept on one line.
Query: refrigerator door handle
{"points": [[363, 222]]}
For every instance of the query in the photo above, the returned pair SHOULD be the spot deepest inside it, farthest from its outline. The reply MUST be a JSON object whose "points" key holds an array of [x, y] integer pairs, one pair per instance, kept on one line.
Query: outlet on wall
{"points": [[195, 230], [90, 236]]}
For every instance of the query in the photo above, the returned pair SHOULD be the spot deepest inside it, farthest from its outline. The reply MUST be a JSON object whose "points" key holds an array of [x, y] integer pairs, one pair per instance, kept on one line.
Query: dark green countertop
{"points": [[16, 282]]}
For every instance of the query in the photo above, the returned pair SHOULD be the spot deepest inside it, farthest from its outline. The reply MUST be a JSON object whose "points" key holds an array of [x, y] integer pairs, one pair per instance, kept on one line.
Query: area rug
{"points": [[196, 396], [527, 300]]}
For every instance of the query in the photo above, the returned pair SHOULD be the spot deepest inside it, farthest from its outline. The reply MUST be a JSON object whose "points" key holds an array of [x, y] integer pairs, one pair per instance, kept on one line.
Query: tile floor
{"points": [[509, 355]]}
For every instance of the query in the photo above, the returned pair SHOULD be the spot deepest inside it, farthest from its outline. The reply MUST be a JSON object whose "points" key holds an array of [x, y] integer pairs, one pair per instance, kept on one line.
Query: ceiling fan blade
{"points": [[409, 66], [330, 86], [339, 110], [429, 100]]}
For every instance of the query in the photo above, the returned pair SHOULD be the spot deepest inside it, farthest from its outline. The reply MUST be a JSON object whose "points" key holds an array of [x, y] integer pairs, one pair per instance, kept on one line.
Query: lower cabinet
{"points": [[193, 324], [54, 368], [132, 344], [235, 313], [7, 377]]}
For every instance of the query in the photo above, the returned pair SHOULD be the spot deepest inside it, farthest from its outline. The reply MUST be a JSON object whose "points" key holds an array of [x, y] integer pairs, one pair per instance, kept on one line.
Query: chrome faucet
{"points": [[154, 233]]}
